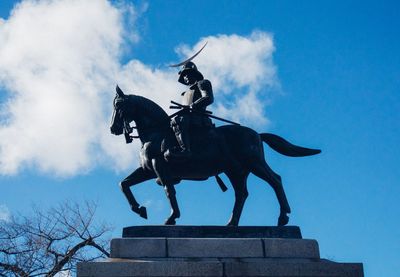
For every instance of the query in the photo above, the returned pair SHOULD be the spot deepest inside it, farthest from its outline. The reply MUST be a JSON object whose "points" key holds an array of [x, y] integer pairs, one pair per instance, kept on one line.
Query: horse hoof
{"points": [[143, 212], [232, 223], [170, 221], [283, 220]]}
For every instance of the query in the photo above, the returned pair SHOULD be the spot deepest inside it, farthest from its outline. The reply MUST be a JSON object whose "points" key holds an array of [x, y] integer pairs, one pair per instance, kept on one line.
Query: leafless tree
{"points": [[52, 242]]}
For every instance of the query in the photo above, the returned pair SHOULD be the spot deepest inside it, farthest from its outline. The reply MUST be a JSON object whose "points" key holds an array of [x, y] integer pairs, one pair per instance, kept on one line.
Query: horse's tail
{"points": [[284, 147]]}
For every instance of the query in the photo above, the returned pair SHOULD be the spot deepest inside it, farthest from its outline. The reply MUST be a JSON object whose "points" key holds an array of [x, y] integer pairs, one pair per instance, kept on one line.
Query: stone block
{"points": [[121, 268], [136, 247], [291, 248], [293, 268], [215, 248]]}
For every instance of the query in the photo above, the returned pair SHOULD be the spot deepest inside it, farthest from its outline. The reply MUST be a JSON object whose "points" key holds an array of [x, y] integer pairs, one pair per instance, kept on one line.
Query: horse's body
{"points": [[234, 150]]}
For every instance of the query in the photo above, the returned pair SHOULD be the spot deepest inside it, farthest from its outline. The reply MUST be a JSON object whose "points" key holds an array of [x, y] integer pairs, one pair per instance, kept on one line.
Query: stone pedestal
{"points": [[243, 251]]}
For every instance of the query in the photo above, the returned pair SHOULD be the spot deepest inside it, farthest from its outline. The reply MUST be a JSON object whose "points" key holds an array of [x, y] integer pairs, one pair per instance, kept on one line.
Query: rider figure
{"points": [[198, 96]]}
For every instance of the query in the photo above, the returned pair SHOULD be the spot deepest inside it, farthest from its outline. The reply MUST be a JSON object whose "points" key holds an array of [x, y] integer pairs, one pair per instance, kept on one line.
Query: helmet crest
{"points": [[191, 58]]}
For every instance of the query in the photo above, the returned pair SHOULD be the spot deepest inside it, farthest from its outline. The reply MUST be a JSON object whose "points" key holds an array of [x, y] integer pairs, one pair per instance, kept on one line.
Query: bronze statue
{"points": [[234, 150]]}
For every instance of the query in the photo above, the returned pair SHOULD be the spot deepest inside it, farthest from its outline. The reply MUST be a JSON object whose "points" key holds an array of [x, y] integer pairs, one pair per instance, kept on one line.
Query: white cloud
{"points": [[57, 59], [59, 62], [4, 213]]}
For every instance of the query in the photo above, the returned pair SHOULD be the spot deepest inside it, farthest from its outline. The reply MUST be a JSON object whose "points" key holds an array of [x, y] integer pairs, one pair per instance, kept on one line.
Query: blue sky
{"points": [[335, 87]]}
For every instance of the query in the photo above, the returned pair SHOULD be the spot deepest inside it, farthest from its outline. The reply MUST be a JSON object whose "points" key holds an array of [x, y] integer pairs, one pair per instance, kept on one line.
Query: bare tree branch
{"points": [[52, 241], [13, 268]]}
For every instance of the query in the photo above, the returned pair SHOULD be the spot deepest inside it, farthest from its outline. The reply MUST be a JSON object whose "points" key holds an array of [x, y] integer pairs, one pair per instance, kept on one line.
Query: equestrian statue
{"points": [[187, 146]]}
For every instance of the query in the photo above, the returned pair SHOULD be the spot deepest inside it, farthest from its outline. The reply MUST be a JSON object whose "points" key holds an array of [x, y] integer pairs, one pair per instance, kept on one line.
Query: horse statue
{"points": [[234, 150]]}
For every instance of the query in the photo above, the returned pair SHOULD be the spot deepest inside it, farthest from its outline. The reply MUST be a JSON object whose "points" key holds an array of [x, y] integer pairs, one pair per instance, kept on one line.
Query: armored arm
{"points": [[207, 96]]}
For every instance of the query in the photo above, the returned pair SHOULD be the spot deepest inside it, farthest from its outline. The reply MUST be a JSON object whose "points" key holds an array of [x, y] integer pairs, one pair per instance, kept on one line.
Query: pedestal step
{"points": [[222, 268], [181, 231], [213, 248]]}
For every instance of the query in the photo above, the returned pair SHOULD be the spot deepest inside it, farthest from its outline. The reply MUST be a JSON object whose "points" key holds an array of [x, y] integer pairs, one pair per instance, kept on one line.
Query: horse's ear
{"points": [[119, 92]]}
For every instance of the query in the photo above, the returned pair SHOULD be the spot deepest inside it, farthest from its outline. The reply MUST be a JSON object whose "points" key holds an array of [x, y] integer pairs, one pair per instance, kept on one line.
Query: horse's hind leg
{"points": [[136, 177], [239, 183], [263, 171]]}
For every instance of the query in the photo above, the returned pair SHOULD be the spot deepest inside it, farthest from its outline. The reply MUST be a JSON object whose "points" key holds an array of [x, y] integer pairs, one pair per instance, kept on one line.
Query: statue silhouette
{"points": [[234, 150]]}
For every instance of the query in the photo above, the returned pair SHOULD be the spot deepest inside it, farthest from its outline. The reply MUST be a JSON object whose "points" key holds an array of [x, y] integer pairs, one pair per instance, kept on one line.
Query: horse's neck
{"points": [[149, 130], [150, 119]]}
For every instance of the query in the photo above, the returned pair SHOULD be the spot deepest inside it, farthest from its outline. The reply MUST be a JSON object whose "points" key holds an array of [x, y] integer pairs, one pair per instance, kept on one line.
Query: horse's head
{"points": [[118, 120], [148, 116]]}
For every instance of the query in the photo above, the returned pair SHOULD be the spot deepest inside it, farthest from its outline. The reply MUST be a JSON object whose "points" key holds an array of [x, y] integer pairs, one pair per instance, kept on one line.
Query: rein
{"points": [[128, 130]]}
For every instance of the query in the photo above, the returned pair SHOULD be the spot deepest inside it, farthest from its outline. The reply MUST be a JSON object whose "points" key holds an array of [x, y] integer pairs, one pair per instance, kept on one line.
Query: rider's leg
{"points": [[180, 126]]}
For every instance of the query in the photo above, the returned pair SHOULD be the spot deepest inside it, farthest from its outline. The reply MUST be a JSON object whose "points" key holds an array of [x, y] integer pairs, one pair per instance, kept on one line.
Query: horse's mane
{"points": [[149, 108]]}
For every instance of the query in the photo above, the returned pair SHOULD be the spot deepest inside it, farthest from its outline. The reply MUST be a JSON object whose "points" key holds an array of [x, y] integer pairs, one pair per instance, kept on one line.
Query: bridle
{"points": [[127, 129]]}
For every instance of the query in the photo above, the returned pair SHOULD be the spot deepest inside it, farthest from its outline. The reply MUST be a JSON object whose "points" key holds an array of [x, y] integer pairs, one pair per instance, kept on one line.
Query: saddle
{"points": [[200, 137]]}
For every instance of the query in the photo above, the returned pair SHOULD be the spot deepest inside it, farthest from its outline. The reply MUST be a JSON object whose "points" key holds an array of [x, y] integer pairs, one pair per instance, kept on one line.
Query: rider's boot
{"points": [[184, 143]]}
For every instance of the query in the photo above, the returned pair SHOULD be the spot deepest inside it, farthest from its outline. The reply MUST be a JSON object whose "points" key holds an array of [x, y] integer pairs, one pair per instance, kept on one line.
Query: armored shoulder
{"points": [[205, 85], [206, 92]]}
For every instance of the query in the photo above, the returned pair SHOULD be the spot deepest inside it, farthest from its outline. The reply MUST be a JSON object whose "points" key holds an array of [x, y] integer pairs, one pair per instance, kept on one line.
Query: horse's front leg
{"points": [[160, 168], [175, 213], [138, 176]]}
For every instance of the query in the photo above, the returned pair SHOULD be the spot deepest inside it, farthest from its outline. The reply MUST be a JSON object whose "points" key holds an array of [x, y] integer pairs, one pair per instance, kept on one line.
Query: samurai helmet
{"points": [[189, 69], [191, 72]]}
